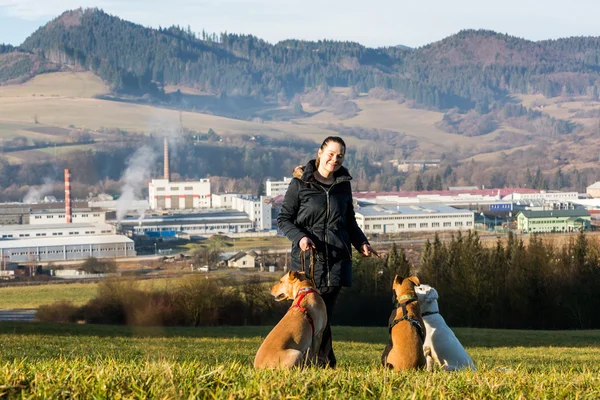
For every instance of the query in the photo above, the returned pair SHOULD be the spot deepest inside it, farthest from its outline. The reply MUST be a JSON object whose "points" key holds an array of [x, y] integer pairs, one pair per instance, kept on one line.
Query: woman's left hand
{"points": [[367, 251]]}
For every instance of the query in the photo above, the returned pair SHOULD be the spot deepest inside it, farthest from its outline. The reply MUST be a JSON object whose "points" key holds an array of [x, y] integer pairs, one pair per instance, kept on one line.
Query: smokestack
{"points": [[67, 196], [166, 159]]}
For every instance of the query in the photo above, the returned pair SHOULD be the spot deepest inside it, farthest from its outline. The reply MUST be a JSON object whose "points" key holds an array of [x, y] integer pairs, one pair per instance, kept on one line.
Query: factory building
{"points": [[167, 195], [277, 188], [54, 230], [381, 219], [223, 200], [57, 216], [258, 210], [201, 224], [34, 250]]}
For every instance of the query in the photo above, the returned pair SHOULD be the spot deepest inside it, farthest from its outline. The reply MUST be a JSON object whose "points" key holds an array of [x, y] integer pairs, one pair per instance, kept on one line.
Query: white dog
{"points": [[441, 345]]}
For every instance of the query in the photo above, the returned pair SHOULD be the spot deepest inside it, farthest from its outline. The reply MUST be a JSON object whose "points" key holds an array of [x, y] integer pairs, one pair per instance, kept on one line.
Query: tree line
{"points": [[512, 285]]}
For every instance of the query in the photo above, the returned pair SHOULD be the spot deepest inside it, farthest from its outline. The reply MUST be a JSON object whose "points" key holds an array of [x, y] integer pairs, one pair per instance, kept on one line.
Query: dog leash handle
{"points": [[311, 269]]}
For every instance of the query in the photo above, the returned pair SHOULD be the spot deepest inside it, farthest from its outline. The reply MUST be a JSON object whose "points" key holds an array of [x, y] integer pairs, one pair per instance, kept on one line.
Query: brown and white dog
{"points": [[296, 339], [407, 331]]}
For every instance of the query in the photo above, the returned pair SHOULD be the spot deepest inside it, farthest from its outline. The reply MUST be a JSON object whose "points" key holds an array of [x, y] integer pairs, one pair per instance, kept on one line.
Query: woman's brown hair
{"points": [[334, 139]]}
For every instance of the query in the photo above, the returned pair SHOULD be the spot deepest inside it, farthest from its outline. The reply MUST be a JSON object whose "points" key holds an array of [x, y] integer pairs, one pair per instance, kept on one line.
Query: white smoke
{"points": [[135, 178], [35, 193]]}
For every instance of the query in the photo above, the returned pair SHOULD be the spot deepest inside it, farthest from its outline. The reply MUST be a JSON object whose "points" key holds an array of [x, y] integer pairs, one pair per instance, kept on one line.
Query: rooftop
{"points": [[187, 218], [595, 185], [578, 212], [411, 210], [414, 193], [63, 241], [41, 227]]}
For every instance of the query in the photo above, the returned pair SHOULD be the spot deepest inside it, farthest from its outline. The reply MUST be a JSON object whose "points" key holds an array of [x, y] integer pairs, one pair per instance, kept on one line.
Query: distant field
{"points": [[76, 293], [86, 361], [497, 155], [66, 99], [58, 84], [559, 107]]}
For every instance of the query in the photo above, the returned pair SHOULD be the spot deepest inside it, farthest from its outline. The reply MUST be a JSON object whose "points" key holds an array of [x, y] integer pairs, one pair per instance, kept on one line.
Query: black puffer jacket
{"points": [[327, 218]]}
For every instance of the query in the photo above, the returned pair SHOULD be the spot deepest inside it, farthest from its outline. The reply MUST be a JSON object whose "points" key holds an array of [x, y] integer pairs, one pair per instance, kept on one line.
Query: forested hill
{"points": [[468, 70]]}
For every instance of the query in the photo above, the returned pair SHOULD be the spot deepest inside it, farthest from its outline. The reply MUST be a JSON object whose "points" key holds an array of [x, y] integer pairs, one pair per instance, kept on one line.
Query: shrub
{"points": [[61, 311]]}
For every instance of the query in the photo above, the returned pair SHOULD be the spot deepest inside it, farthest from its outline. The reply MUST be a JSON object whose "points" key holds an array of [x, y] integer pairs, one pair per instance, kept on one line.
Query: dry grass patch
{"points": [[62, 84]]}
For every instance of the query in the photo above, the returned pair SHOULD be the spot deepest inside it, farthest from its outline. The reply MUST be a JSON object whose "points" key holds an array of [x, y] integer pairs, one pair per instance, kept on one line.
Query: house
{"points": [[553, 221], [593, 190], [243, 260]]}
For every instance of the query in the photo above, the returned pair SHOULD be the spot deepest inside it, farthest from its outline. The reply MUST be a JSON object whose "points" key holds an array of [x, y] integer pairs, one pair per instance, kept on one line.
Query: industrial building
{"points": [[167, 195], [34, 250], [257, 208], [54, 230], [553, 221], [202, 224], [223, 200], [277, 188], [462, 198], [382, 219], [593, 190], [57, 216]]}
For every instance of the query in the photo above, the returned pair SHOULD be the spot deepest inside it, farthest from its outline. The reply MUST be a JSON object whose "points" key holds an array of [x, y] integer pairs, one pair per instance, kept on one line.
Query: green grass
{"points": [[35, 296], [15, 297], [84, 361]]}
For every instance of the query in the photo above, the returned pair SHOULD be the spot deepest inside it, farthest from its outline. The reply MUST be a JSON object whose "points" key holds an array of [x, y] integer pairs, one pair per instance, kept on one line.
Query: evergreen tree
{"points": [[418, 183]]}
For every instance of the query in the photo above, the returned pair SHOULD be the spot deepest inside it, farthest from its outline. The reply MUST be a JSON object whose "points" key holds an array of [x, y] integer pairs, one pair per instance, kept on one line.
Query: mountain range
{"points": [[474, 98], [461, 71]]}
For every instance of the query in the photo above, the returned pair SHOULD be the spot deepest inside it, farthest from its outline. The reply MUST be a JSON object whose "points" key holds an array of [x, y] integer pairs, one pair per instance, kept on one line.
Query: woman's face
{"points": [[332, 156]]}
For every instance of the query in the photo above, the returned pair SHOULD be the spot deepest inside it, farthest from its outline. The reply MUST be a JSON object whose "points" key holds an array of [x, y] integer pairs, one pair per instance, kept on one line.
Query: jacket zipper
{"points": [[326, 229]]}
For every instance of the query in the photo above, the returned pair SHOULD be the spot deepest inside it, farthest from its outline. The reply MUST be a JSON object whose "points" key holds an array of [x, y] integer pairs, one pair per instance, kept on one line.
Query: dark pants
{"points": [[326, 356]]}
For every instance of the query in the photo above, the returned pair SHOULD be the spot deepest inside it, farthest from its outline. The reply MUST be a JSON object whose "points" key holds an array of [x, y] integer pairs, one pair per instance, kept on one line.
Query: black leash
{"points": [[311, 268]]}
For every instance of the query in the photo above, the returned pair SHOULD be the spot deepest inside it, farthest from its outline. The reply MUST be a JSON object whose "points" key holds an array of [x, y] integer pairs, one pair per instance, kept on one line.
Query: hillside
{"points": [[494, 108], [462, 70]]}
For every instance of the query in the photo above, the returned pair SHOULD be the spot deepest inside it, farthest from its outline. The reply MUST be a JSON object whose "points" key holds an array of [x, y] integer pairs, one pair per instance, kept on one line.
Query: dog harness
{"points": [[405, 317], [299, 297]]}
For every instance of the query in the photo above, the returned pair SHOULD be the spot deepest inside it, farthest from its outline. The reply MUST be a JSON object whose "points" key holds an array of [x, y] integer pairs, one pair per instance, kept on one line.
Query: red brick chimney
{"points": [[68, 215], [166, 145]]}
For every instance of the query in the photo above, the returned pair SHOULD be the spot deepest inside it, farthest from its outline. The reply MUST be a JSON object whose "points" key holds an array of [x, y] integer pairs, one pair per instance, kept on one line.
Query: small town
{"points": [[260, 199]]}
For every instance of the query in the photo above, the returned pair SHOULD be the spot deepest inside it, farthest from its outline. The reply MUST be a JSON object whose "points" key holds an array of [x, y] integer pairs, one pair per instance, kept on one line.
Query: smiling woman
{"points": [[317, 216]]}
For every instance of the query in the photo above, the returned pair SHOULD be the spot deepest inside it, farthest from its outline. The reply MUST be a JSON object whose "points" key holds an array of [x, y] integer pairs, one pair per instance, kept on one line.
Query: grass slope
{"points": [[66, 99], [82, 361]]}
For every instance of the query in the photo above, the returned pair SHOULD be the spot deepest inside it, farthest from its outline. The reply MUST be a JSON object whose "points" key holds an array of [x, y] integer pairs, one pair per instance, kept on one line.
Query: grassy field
{"points": [[15, 297], [67, 99], [58, 84], [84, 361]]}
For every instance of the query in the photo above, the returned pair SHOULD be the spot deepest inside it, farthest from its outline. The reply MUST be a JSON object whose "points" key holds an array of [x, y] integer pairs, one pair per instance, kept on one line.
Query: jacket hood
{"points": [[305, 173]]}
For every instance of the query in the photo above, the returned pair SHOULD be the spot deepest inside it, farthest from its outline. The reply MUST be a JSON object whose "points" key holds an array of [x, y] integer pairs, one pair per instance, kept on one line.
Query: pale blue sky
{"points": [[373, 23]]}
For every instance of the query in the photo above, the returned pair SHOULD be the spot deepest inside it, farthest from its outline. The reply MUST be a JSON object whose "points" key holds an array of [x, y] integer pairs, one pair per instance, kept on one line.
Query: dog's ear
{"points": [[432, 294], [398, 279], [415, 280], [294, 275]]}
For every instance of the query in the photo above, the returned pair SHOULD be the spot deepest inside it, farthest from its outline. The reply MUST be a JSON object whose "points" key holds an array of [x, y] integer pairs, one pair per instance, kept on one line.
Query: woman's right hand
{"points": [[306, 244]]}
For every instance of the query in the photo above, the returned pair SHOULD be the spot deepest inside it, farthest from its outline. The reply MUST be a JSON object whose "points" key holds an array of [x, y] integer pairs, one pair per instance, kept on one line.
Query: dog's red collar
{"points": [[299, 297]]}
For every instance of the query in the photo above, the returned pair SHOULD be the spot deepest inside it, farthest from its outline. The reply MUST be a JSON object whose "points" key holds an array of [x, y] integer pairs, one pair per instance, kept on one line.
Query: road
{"points": [[24, 315]]}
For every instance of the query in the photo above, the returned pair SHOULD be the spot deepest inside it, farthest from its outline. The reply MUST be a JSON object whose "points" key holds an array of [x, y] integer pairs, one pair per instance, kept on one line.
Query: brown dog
{"points": [[407, 330], [296, 339]]}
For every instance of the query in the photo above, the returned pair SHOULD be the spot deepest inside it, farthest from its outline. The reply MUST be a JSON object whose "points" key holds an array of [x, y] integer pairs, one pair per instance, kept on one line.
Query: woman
{"points": [[317, 213]]}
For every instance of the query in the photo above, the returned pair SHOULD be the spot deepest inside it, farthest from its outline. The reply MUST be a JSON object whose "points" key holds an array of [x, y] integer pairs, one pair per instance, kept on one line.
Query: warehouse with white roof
{"points": [[382, 219], [65, 248]]}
